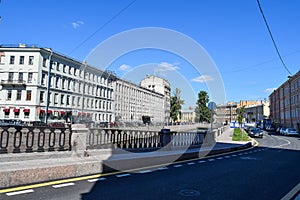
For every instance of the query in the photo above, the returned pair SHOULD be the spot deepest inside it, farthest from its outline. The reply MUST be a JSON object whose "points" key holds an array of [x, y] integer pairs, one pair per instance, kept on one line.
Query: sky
{"points": [[223, 47]]}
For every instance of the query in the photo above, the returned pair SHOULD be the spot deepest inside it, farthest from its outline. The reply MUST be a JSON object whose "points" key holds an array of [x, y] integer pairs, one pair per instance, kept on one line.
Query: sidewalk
{"points": [[39, 167]]}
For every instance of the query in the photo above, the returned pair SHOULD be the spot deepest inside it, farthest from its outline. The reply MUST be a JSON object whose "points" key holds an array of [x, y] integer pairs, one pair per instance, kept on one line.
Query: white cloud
{"points": [[124, 67], [269, 90], [202, 79], [76, 24], [164, 67]]}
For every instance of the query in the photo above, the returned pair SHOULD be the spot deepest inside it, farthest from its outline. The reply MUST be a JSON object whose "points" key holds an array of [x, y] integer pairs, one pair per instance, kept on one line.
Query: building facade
{"points": [[32, 76], [226, 113], [161, 86], [133, 103], [257, 112], [188, 116], [284, 103]]}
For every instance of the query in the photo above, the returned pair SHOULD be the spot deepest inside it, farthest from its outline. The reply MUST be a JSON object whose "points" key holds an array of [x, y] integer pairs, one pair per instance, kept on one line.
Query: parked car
{"points": [[57, 125], [270, 128], [291, 132], [256, 132], [282, 130]]}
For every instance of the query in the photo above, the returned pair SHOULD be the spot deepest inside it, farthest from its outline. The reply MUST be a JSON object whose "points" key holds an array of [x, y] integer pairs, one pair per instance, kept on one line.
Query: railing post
{"points": [[79, 140], [165, 137]]}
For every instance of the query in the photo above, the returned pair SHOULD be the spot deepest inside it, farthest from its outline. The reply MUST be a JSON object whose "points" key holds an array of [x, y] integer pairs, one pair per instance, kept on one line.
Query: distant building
{"points": [[257, 112], [133, 103], [226, 113], [284, 103], [161, 86], [188, 116]]}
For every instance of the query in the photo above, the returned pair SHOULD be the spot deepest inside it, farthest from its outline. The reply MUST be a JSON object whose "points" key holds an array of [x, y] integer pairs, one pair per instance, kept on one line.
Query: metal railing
{"points": [[20, 139], [144, 140]]}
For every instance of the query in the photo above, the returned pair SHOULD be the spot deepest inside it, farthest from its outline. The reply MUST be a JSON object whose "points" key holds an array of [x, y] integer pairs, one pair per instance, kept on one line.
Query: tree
{"points": [[240, 115], [176, 103], [203, 114]]}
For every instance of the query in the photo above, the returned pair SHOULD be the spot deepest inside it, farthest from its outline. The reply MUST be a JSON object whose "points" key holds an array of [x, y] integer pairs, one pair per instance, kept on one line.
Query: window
{"points": [[78, 101], [2, 57], [73, 101], [57, 66], [42, 96], [70, 70], [19, 94], [56, 98], [12, 60], [10, 76], [30, 61], [44, 62], [8, 95], [56, 82], [28, 95], [63, 84], [69, 84], [26, 114], [29, 79], [21, 62], [62, 99], [68, 100], [20, 77], [64, 68], [43, 80]]}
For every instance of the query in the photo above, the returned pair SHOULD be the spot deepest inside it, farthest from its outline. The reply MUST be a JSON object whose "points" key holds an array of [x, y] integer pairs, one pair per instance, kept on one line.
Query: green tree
{"points": [[203, 114], [176, 103], [240, 115]]}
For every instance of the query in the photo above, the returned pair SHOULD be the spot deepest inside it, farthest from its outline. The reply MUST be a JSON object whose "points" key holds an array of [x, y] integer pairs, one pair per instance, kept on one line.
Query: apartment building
{"points": [[32, 76], [226, 113], [257, 111], [284, 103], [133, 102], [161, 86]]}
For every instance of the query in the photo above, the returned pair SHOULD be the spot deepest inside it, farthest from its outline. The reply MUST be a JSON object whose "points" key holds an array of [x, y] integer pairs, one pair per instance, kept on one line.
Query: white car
{"points": [[291, 131]]}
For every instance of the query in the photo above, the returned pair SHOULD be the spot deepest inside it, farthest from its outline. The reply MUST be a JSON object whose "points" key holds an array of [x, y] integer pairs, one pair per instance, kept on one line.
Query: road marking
{"points": [[211, 159], [19, 192], [201, 161], [191, 163], [240, 154], [144, 171], [227, 156], [288, 142], [162, 168], [122, 175], [234, 155], [177, 165], [220, 158], [63, 185], [292, 193], [96, 179]]}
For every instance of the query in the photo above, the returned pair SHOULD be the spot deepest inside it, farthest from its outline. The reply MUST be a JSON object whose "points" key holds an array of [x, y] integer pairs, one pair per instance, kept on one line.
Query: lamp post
{"points": [[48, 87]]}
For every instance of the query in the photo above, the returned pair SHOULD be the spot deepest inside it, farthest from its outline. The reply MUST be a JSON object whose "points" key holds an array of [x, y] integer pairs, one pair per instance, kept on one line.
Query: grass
{"points": [[240, 135]]}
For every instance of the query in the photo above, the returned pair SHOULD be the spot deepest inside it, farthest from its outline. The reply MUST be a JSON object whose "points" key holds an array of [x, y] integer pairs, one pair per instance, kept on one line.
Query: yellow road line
{"points": [[67, 180]]}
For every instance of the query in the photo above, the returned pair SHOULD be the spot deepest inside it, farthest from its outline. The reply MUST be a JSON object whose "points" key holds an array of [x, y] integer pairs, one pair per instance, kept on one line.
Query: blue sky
{"points": [[232, 32]]}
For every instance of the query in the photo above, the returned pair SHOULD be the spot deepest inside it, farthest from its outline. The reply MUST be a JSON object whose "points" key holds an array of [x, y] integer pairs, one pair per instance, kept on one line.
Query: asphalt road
{"points": [[269, 171]]}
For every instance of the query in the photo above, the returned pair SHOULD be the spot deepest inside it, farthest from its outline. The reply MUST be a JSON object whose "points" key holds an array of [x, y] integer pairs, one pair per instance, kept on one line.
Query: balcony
{"points": [[13, 83]]}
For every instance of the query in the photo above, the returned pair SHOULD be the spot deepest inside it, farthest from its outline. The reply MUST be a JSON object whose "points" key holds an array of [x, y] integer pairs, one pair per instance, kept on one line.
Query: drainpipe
{"points": [[48, 87]]}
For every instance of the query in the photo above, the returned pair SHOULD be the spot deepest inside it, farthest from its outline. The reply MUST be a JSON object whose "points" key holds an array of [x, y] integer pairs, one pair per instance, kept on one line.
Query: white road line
{"points": [[19, 192], [177, 165], [191, 163], [212, 159], [288, 142], [233, 155], [144, 171], [63, 185], [96, 179], [201, 161], [240, 154], [227, 156], [162, 168], [220, 158], [122, 175]]}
